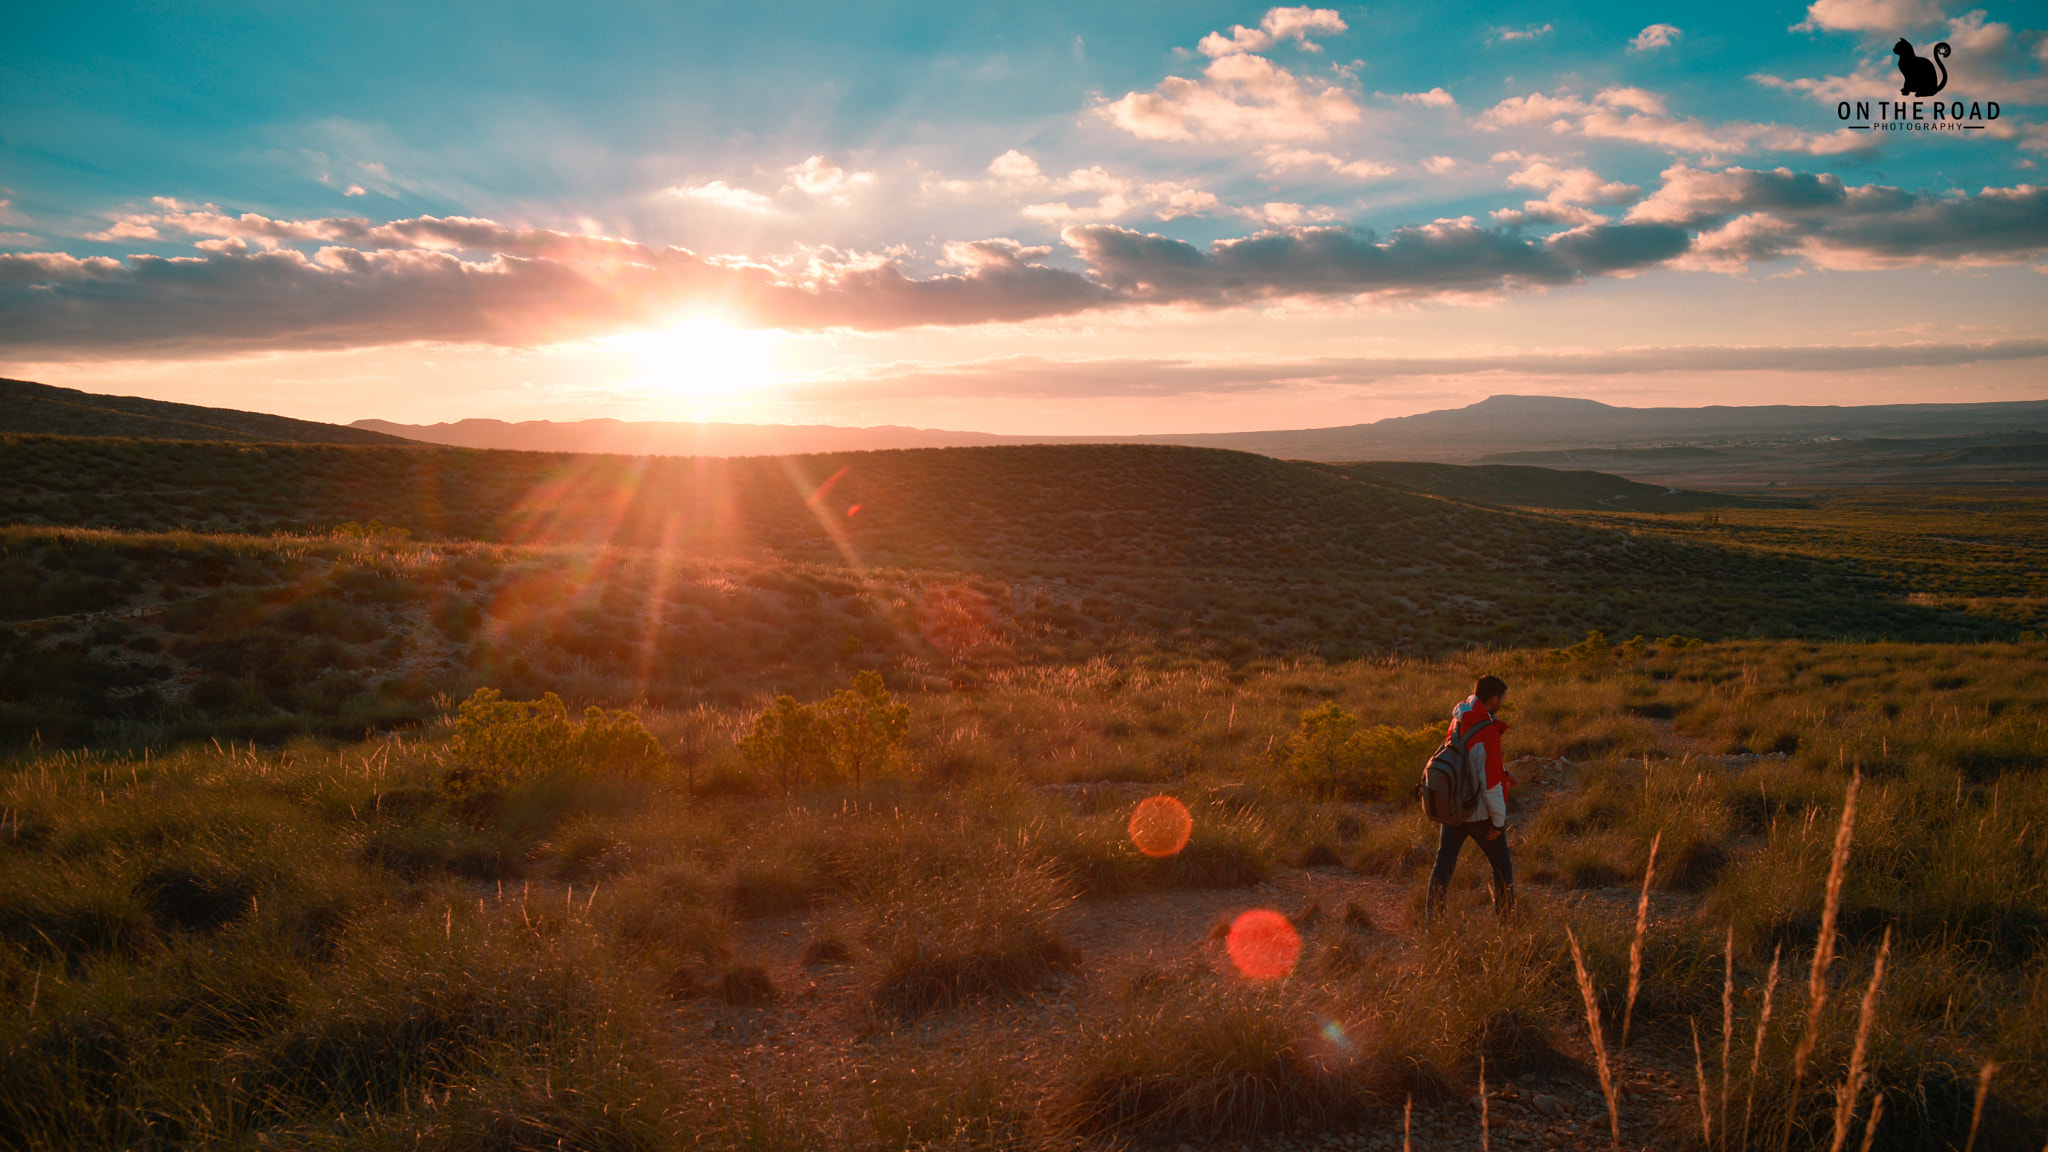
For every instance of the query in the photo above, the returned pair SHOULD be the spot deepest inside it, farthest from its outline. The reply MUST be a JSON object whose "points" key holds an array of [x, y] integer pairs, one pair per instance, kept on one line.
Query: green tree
{"points": [[498, 741], [1330, 755], [864, 726], [787, 738]]}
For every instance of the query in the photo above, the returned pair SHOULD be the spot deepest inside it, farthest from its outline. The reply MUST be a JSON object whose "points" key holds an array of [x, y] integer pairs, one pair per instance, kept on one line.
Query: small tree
{"points": [[864, 726], [499, 740], [1330, 755], [614, 740], [786, 737]]}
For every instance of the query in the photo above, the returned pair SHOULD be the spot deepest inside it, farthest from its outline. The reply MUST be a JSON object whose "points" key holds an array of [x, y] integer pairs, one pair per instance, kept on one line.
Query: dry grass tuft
{"points": [[946, 941], [1598, 1037]]}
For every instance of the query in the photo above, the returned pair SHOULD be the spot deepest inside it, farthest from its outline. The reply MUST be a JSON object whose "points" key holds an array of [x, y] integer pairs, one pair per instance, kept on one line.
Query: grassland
{"points": [[162, 590], [324, 946], [267, 881]]}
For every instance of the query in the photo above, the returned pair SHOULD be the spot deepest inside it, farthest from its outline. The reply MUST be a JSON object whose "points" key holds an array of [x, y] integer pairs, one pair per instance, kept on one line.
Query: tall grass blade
{"points": [[1635, 948], [1599, 1040], [1485, 1121], [1763, 1025], [1852, 1087], [1870, 1125], [1984, 1076], [1824, 947], [1408, 1124], [1727, 1025], [1699, 1071]]}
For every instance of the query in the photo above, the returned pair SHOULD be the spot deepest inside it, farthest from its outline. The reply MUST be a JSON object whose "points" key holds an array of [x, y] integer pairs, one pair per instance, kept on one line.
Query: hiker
{"points": [[1487, 821]]}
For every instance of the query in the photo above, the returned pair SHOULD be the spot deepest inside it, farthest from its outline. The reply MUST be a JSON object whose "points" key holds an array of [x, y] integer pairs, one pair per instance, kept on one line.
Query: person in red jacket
{"points": [[1487, 822]]}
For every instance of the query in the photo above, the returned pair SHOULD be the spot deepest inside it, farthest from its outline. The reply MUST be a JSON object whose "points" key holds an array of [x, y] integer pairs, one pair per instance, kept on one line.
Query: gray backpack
{"points": [[1450, 788]]}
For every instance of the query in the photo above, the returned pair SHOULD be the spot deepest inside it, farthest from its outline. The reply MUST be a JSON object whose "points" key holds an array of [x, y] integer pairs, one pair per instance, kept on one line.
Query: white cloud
{"points": [[822, 178], [1638, 115], [1434, 98], [726, 196], [1280, 24], [1989, 64], [355, 190], [1275, 161], [1013, 165], [1238, 97], [1441, 165], [1654, 37], [1890, 16], [1529, 33]]}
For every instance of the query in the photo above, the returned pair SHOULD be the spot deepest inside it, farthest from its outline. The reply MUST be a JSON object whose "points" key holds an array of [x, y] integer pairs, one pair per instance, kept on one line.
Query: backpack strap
{"points": [[1465, 740]]}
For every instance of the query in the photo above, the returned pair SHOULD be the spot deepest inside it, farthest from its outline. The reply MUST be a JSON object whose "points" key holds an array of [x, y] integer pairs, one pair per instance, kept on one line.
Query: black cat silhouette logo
{"points": [[1918, 71]]}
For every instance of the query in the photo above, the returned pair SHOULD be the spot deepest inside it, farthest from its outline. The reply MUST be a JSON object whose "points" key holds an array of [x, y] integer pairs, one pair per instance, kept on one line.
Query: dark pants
{"points": [[1447, 848]]}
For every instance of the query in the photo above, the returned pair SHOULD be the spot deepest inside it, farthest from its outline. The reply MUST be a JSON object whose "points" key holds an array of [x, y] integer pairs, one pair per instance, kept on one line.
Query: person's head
{"points": [[1489, 691]]}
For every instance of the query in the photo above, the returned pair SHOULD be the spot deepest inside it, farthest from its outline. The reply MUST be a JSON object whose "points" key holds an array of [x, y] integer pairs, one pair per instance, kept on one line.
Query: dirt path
{"points": [[820, 1024]]}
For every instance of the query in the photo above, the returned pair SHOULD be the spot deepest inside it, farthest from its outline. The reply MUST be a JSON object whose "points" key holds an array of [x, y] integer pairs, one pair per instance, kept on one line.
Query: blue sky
{"points": [[1099, 218]]}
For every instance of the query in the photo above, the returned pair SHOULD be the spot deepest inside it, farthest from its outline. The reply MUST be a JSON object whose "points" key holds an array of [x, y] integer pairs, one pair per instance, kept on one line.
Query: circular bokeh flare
{"points": [[1263, 945], [1160, 826]]}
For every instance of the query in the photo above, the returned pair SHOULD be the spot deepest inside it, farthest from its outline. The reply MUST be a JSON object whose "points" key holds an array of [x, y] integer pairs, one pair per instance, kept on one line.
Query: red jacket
{"points": [[1470, 714]]}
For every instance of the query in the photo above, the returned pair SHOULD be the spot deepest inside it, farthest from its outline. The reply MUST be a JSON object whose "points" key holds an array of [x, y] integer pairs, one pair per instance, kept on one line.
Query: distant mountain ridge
{"points": [[29, 407], [1494, 425], [677, 438]]}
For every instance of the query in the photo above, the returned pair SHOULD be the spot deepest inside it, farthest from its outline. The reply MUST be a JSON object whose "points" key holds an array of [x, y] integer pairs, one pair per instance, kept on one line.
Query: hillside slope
{"points": [[609, 578], [1529, 487], [40, 408]]}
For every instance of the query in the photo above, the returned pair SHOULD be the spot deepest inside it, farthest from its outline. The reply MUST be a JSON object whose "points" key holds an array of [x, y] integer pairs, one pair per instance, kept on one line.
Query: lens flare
{"points": [[1334, 1033], [1263, 945], [1160, 826]]}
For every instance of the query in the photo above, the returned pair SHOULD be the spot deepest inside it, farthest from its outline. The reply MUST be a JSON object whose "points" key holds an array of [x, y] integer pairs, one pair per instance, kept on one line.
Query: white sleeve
{"points": [[1493, 801]]}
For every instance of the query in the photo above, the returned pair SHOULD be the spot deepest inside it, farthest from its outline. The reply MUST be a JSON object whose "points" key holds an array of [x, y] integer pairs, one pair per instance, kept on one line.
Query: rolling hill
{"points": [[261, 590], [31, 407], [1530, 487], [1477, 431]]}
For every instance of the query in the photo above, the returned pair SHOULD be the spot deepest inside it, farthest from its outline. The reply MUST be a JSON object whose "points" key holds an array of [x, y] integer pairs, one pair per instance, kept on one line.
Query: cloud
{"points": [[262, 283], [1280, 24], [1445, 257], [1013, 165], [1276, 160], [1887, 16], [1746, 215], [1503, 35], [1032, 377], [1989, 64], [355, 190], [1654, 37], [1239, 96], [1638, 115], [822, 178], [563, 288], [1569, 189], [726, 196], [1434, 98]]}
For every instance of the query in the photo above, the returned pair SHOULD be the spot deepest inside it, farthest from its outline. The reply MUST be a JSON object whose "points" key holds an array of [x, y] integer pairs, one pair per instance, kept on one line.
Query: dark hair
{"points": [[1489, 687]]}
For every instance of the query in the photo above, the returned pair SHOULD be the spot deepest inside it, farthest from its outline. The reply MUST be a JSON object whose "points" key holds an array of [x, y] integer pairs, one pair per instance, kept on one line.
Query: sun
{"points": [[703, 358]]}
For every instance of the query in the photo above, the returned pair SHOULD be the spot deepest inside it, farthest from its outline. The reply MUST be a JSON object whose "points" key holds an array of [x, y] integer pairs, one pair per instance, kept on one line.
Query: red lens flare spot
{"points": [[850, 511], [1263, 945], [1160, 826]]}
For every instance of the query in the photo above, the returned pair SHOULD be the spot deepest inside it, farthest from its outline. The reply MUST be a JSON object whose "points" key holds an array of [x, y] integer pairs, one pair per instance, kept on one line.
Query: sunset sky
{"points": [[1087, 218]]}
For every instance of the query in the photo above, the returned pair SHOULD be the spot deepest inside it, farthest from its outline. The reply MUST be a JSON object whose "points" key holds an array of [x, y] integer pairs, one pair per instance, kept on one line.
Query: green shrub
{"points": [[498, 741], [1330, 755]]}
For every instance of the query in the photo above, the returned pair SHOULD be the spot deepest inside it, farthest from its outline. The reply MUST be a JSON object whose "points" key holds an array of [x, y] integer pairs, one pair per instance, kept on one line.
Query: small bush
{"points": [[947, 941]]}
